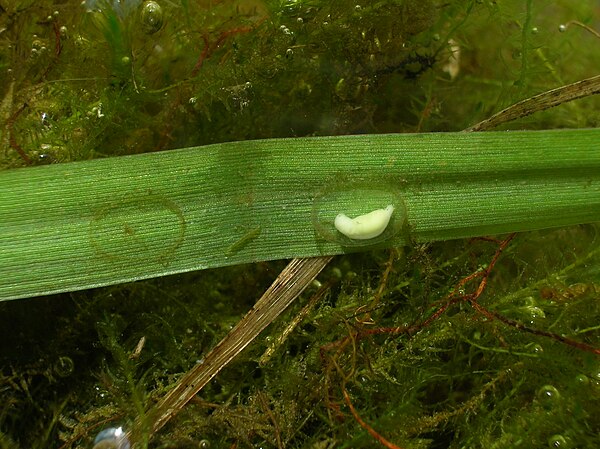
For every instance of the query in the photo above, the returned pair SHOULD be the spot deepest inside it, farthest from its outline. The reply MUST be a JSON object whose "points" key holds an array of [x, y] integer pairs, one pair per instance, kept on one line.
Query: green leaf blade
{"points": [[87, 224]]}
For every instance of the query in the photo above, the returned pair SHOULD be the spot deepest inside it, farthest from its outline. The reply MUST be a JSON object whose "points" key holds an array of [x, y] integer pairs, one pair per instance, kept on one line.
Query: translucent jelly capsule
{"points": [[358, 213]]}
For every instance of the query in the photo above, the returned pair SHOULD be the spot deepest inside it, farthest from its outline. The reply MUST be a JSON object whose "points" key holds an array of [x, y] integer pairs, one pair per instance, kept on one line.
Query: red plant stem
{"points": [[209, 48], [487, 272], [454, 298], [367, 427], [12, 141], [202, 56], [520, 326], [57, 43]]}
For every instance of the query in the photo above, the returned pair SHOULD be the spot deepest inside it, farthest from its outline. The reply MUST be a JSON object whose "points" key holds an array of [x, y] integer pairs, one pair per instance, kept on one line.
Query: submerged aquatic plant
{"points": [[486, 342]]}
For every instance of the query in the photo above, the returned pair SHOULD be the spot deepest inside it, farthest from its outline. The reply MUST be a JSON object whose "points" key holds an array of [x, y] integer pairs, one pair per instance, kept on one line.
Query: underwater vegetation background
{"points": [[517, 366]]}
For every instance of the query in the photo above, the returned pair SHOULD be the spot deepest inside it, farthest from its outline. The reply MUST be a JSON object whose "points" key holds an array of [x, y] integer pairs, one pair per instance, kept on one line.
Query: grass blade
{"points": [[86, 224]]}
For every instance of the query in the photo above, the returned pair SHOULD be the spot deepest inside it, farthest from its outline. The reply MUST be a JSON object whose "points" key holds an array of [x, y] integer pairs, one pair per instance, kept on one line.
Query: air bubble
{"points": [[535, 348], [548, 396], [64, 366], [152, 17], [559, 442], [582, 380], [112, 438], [45, 158], [533, 314]]}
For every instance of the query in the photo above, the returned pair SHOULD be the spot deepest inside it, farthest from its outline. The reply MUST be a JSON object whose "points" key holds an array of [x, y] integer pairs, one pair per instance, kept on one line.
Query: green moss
{"points": [[215, 71]]}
